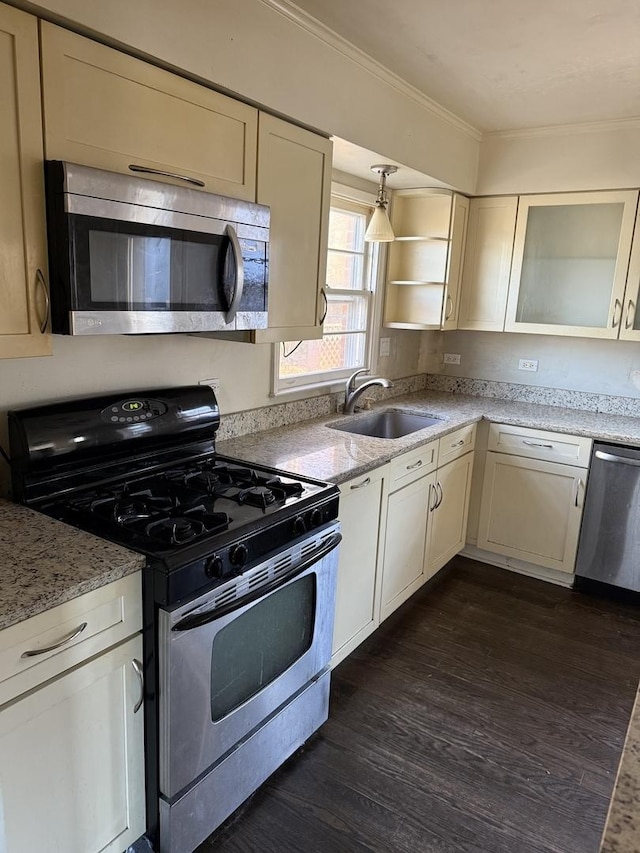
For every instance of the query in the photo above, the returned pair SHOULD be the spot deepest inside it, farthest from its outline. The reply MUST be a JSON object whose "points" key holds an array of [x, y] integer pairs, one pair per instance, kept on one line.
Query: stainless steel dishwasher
{"points": [[609, 547]]}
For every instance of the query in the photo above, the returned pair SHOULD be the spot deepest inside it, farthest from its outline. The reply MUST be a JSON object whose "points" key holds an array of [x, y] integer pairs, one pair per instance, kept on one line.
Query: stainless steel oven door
{"points": [[235, 656]]}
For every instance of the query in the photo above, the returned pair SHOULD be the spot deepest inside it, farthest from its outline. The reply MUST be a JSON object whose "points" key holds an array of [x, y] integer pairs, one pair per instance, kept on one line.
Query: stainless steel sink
{"points": [[389, 424]]}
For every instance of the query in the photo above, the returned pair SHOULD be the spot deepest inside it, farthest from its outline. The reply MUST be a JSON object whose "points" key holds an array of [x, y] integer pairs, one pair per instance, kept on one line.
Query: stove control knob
{"points": [[299, 525], [238, 555], [316, 517], [214, 567]]}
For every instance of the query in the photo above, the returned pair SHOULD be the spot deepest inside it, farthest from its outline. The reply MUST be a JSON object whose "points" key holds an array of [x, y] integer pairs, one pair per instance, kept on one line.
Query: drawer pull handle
{"points": [[149, 171], [362, 484], [415, 465], [71, 636], [458, 443], [537, 444], [137, 668]]}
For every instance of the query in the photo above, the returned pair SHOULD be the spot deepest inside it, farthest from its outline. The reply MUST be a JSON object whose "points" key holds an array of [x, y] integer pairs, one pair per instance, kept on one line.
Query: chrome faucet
{"points": [[352, 393]]}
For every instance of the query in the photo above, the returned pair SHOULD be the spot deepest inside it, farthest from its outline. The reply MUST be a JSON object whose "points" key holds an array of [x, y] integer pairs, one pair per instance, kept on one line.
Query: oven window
{"points": [[258, 646]]}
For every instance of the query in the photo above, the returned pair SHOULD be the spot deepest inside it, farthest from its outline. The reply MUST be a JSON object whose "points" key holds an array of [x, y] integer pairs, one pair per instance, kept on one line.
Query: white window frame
{"points": [[349, 198]]}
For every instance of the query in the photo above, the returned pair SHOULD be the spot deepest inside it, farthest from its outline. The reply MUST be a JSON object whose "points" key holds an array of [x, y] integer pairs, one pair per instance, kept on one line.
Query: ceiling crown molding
{"points": [[612, 125], [350, 51]]}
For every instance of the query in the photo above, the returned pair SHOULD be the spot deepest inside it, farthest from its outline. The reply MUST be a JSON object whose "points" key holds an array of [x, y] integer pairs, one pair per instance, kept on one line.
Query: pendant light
{"points": [[379, 229]]}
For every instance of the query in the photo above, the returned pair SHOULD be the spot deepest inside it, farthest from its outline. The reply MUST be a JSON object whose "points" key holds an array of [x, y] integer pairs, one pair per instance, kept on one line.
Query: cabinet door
{"points": [[630, 324], [72, 760], [487, 263], [23, 296], [356, 610], [404, 546], [449, 510], [294, 179], [459, 217], [105, 109], [570, 260], [532, 510]]}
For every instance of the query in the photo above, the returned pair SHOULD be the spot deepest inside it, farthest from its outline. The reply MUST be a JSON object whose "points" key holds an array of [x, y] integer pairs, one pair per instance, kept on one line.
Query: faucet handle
{"points": [[351, 381]]}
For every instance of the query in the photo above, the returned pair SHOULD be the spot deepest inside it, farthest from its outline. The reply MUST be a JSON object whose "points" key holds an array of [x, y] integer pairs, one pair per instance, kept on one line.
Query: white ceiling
{"points": [[503, 64]]}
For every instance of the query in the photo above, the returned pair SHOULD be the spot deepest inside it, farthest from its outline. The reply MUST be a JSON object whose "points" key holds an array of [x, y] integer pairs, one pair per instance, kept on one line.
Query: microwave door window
{"points": [[130, 271]]}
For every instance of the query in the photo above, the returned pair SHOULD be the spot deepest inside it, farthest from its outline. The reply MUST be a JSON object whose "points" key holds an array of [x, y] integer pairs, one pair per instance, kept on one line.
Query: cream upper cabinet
{"points": [[532, 504], [294, 179], [358, 585], [487, 263], [630, 323], [24, 297], [106, 109], [570, 260], [424, 260]]}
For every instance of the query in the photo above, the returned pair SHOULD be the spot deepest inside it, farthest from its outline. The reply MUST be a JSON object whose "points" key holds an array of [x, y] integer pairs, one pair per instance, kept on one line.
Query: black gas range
{"points": [[142, 471]]}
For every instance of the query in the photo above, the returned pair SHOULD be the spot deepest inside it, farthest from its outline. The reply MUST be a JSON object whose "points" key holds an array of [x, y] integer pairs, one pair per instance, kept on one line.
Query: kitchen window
{"points": [[346, 344]]}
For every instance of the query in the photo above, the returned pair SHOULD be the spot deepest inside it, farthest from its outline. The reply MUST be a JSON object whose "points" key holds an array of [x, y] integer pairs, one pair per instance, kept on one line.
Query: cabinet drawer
{"points": [[456, 444], [539, 444], [109, 615], [408, 467]]}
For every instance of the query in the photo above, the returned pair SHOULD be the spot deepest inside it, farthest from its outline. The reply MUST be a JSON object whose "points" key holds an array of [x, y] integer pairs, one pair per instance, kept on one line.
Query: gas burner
{"points": [[259, 496], [124, 506], [176, 530], [287, 490]]}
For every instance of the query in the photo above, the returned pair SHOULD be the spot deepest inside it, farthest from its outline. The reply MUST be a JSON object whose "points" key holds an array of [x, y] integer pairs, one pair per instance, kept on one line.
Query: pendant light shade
{"points": [[379, 229]]}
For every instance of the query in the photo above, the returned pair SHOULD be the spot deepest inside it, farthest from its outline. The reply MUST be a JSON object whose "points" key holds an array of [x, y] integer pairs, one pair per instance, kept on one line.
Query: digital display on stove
{"points": [[132, 405], [133, 411]]}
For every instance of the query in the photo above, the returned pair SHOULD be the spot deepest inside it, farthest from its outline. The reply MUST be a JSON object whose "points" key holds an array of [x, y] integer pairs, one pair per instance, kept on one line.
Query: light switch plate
{"points": [[385, 347]]}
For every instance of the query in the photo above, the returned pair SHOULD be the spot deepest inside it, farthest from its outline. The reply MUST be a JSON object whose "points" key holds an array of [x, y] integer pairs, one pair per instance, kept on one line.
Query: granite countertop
{"points": [[311, 449], [44, 562], [622, 830]]}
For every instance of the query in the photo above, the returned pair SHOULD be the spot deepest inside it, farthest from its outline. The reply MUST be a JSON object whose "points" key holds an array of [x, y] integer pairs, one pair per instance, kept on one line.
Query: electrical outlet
{"points": [[451, 358], [528, 364], [385, 347], [214, 384]]}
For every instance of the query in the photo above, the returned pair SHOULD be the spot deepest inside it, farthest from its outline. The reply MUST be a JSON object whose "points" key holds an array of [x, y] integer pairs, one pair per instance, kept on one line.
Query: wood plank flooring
{"points": [[487, 715]]}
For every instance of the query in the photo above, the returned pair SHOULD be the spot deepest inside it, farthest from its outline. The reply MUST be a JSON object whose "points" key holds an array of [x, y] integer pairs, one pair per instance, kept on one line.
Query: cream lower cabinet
{"points": [[449, 509], [72, 747], [531, 504], [106, 109], [358, 585], [23, 289], [412, 479]]}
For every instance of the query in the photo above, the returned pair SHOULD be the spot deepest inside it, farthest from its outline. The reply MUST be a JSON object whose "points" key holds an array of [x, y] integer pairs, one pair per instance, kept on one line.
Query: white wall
{"points": [[579, 364], [587, 157]]}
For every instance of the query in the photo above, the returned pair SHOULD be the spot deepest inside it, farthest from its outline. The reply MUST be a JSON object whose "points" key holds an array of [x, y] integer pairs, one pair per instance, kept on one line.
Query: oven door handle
{"points": [[199, 619]]}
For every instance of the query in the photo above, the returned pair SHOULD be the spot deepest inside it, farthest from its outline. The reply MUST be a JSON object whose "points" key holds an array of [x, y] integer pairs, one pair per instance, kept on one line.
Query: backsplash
{"points": [[281, 414], [582, 400]]}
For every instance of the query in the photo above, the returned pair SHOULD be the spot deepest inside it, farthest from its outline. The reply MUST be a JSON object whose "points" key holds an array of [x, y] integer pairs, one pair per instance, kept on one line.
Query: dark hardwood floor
{"points": [[487, 714]]}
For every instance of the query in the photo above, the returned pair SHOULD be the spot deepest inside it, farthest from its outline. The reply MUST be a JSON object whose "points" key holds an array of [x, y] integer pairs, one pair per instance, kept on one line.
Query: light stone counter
{"points": [[622, 831], [44, 562], [311, 448]]}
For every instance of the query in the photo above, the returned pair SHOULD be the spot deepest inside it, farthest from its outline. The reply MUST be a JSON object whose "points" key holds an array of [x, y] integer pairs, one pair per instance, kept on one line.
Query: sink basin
{"points": [[393, 424]]}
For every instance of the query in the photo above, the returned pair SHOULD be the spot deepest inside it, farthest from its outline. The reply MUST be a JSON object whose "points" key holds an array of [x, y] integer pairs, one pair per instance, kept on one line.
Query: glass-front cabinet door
{"points": [[570, 261]]}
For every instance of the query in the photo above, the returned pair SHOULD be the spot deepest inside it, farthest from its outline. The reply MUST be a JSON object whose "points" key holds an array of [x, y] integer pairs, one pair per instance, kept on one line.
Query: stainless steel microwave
{"points": [[129, 255]]}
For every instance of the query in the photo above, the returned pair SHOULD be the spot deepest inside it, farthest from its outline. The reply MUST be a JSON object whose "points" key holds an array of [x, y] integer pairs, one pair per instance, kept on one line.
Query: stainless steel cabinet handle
{"points": [[323, 293], [579, 485], [610, 457], [415, 465], [47, 300], [537, 444], [458, 443], [362, 484], [149, 171], [440, 499], [137, 668], [433, 506], [239, 286], [43, 651], [449, 309], [616, 305], [631, 310]]}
